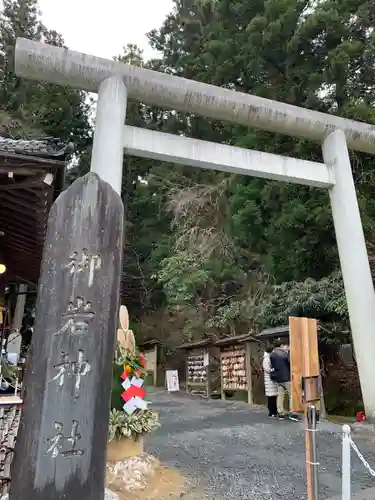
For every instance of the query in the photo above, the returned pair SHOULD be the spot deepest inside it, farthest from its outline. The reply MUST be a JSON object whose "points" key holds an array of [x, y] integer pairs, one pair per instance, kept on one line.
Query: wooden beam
{"points": [[4, 169], [23, 219], [36, 161], [28, 197], [14, 200], [27, 250], [11, 228], [23, 240], [20, 185]]}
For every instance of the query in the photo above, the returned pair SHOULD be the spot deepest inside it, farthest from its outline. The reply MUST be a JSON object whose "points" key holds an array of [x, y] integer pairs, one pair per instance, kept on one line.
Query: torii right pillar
{"points": [[355, 267]]}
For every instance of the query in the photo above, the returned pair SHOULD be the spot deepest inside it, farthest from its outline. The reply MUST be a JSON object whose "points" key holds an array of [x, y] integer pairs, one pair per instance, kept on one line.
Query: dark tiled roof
{"points": [[238, 339], [149, 343], [274, 332], [48, 147], [196, 344]]}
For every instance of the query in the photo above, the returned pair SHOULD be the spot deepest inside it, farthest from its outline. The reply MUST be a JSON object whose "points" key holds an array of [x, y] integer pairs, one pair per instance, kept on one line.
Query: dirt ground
{"points": [[166, 484]]}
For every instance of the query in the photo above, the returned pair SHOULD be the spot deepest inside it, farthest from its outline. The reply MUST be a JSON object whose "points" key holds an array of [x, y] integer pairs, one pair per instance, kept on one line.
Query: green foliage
{"points": [[225, 253], [116, 400], [324, 298], [132, 362], [283, 257], [183, 278], [122, 425], [9, 372], [40, 108]]}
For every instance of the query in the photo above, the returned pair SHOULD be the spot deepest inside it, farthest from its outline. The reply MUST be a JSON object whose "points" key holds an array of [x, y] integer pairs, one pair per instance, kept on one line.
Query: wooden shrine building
{"points": [[32, 175]]}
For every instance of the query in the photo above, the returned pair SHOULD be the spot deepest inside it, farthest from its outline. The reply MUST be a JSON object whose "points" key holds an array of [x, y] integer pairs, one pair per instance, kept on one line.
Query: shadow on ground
{"points": [[233, 452]]}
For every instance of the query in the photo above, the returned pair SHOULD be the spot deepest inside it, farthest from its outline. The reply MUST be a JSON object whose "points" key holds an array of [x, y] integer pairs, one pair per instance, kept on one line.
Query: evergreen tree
{"points": [[40, 108], [313, 55]]}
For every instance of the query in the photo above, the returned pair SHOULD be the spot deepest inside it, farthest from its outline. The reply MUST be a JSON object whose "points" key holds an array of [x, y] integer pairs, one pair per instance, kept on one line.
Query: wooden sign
{"points": [[64, 428], [304, 360], [173, 384]]}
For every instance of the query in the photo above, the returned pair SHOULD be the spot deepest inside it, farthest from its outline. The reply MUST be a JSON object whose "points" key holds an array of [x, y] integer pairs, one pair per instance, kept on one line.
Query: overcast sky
{"points": [[102, 28]]}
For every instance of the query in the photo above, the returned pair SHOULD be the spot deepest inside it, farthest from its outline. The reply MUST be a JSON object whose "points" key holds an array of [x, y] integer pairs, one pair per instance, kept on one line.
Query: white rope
{"points": [[361, 457]]}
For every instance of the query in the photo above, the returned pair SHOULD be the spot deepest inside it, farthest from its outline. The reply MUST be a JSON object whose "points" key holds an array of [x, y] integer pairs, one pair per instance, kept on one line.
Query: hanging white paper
{"points": [[130, 406], [206, 359], [137, 382], [126, 384], [141, 404]]}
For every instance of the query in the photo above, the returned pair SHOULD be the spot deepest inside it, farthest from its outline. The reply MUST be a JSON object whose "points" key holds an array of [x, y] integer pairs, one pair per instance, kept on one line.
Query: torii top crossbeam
{"points": [[66, 67]]}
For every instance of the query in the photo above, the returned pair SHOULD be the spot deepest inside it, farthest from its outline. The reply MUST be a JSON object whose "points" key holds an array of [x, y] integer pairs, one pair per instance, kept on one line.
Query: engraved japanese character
{"points": [[57, 444], [62, 368], [76, 369], [80, 368], [77, 317], [74, 437], [84, 262]]}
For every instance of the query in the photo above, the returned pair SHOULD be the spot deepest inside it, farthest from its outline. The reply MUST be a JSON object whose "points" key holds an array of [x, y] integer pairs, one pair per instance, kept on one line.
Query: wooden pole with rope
{"points": [[305, 389]]}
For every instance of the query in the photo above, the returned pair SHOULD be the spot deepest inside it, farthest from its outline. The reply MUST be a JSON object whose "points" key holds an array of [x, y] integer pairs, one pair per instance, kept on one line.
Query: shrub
{"points": [[123, 425]]}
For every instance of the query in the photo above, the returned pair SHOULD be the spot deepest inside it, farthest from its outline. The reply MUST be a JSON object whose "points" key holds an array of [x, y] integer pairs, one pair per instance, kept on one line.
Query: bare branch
{"points": [[199, 215]]}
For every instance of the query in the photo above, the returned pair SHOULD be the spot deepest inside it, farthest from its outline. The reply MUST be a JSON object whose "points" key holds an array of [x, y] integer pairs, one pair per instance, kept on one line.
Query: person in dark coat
{"points": [[280, 362]]}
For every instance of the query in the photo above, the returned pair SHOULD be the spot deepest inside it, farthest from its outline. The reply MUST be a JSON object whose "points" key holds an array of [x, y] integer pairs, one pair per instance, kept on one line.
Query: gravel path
{"points": [[233, 452]]}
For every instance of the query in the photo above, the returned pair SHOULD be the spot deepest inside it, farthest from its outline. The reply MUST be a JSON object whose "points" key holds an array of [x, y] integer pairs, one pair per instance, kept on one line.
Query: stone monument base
{"points": [[131, 474], [109, 495], [142, 477]]}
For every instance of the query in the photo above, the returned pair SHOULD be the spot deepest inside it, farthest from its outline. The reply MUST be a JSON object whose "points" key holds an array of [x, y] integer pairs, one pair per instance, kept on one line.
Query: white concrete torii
{"points": [[115, 81]]}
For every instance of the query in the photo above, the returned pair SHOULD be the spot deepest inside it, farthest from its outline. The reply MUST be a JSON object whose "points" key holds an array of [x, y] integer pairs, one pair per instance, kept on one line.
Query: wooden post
{"points": [[310, 359], [64, 429], [295, 329], [209, 372], [305, 367], [296, 404], [186, 373], [248, 373], [223, 395], [156, 365]]}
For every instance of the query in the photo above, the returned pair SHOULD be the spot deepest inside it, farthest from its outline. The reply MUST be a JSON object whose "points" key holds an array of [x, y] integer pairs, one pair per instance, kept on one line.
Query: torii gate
{"points": [[115, 82]]}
